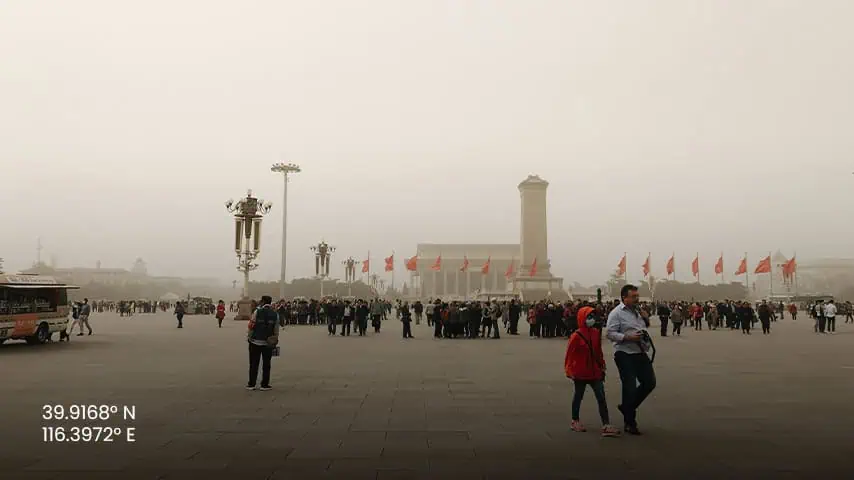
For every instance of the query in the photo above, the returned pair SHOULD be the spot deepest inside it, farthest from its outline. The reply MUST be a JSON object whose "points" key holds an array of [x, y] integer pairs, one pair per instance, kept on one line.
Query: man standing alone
{"points": [[626, 330], [263, 337]]}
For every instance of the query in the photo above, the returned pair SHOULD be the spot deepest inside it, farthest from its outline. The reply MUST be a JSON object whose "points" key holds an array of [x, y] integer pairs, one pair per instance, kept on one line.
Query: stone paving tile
{"points": [[382, 408]]}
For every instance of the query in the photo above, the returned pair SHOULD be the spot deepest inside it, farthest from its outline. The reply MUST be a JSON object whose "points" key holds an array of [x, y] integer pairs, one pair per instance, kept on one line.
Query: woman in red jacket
{"points": [[585, 365]]}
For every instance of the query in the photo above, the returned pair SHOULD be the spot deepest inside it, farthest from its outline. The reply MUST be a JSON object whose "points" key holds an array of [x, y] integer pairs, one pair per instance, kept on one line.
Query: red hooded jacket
{"points": [[584, 357]]}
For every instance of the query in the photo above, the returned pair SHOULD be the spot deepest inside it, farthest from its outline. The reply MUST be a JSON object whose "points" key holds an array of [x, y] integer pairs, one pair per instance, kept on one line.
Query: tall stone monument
{"points": [[534, 241]]}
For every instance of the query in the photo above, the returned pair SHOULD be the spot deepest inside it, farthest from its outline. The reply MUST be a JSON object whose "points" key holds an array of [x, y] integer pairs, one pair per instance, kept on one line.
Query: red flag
{"points": [[389, 263], [789, 268], [366, 265], [742, 267], [534, 267], [412, 263], [669, 266], [646, 266], [465, 267], [719, 266], [438, 264], [621, 267], [695, 266], [509, 272], [485, 268], [764, 266]]}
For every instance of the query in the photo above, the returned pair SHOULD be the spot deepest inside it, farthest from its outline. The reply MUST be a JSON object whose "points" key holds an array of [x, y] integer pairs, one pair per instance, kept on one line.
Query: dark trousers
{"points": [[533, 331], [514, 326], [766, 325], [664, 321], [598, 387], [677, 328], [821, 324], [345, 327], [638, 379], [831, 324], [256, 353], [437, 329], [407, 329], [180, 320]]}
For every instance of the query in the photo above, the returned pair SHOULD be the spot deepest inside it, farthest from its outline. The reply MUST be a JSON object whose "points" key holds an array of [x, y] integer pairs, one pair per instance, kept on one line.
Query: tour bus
{"points": [[32, 308]]}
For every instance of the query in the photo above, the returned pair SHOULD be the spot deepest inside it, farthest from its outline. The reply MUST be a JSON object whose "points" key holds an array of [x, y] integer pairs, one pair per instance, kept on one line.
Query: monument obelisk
{"points": [[533, 244]]}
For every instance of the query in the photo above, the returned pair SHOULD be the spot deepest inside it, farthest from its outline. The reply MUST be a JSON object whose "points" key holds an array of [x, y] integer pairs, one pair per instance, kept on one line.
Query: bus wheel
{"points": [[42, 335]]}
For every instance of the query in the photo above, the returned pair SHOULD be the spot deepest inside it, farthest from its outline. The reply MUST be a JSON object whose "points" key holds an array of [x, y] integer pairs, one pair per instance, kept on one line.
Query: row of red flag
{"points": [[764, 266], [412, 265]]}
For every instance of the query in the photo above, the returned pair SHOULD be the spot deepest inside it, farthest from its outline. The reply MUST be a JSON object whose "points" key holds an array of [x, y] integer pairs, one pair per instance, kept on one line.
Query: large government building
{"points": [[522, 268]]}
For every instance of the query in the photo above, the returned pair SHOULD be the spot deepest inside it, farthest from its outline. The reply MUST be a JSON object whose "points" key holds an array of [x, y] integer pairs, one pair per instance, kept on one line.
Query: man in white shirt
{"points": [[830, 316], [626, 329]]}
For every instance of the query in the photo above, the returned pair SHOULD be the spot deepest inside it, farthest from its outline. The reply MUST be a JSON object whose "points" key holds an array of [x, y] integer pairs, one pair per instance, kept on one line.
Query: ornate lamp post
{"points": [[349, 274], [322, 256], [247, 242], [285, 169]]}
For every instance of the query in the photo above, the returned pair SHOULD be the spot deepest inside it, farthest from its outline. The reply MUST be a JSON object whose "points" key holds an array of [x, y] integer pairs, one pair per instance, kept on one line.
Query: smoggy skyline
{"points": [[662, 126]]}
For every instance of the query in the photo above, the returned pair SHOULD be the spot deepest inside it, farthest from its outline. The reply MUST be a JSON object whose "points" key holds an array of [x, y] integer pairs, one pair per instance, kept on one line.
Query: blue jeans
{"points": [[598, 387]]}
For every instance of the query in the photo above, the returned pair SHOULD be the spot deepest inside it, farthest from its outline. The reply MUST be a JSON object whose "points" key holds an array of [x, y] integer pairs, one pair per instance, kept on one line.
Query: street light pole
{"points": [[247, 242], [284, 169]]}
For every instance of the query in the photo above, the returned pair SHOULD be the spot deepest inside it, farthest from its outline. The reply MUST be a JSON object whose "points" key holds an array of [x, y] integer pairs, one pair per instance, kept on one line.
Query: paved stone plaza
{"points": [[727, 406]]}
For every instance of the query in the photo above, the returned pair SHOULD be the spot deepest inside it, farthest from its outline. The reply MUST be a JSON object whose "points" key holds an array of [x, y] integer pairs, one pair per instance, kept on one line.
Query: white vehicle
{"points": [[32, 308]]}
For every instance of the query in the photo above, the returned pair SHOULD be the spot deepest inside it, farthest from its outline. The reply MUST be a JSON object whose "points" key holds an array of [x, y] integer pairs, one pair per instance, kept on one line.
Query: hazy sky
{"points": [[666, 125]]}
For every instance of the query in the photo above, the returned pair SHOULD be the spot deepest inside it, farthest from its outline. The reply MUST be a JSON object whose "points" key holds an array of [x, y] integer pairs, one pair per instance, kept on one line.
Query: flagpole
{"points": [[796, 272], [392, 270], [746, 275], [723, 278], [770, 277], [625, 268], [673, 257]]}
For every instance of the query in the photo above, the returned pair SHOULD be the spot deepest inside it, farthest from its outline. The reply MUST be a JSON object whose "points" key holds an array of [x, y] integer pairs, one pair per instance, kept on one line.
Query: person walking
{"points": [[347, 318], [85, 310], [676, 318], [829, 312], [75, 318], [179, 313], [663, 312], [437, 319], [584, 364], [626, 329], [765, 314], [263, 336], [220, 312], [362, 314], [418, 308], [406, 319], [376, 315], [819, 316]]}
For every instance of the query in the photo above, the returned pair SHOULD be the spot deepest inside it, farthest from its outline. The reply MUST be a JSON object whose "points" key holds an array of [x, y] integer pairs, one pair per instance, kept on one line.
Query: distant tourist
{"points": [[584, 364], [179, 313], [263, 336], [220, 312], [75, 318], [406, 319], [85, 310], [626, 330], [830, 316], [765, 314]]}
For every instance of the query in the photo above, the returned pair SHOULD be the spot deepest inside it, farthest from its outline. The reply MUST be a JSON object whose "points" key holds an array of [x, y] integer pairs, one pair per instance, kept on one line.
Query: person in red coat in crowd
{"points": [[585, 365]]}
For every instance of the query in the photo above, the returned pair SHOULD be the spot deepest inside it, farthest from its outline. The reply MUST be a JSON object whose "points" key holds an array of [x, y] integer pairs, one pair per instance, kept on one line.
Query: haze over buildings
{"points": [[662, 126]]}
